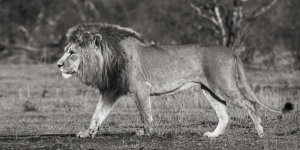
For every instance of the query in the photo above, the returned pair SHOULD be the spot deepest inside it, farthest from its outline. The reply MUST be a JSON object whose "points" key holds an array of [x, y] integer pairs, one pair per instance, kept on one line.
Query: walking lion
{"points": [[118, 61]]}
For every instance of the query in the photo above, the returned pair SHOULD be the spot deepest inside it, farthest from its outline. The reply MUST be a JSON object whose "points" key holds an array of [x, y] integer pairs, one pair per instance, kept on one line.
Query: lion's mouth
{"points": [[66, 74]]}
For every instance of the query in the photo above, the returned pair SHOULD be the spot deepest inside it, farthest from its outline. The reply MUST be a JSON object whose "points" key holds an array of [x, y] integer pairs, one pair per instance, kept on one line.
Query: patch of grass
{"points": [[28, 107]]}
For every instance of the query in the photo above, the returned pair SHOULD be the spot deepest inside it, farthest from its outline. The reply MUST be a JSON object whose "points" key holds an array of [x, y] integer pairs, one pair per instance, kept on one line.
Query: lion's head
{"points": [[79, 56], [94, 56]]}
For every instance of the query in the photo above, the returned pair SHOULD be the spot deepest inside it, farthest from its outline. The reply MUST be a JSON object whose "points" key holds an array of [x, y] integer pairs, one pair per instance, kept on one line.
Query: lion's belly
{"points": [[169, 69], [169, 79], [171, 86]]}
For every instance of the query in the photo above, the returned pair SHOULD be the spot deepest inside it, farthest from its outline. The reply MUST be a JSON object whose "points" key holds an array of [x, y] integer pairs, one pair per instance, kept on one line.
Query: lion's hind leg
{"points": [[239, 100], [221, 110], [252, 109]]}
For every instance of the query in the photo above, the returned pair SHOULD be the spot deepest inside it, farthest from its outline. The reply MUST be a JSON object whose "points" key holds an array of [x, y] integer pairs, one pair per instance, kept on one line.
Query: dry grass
{"points": [[35, 99]]}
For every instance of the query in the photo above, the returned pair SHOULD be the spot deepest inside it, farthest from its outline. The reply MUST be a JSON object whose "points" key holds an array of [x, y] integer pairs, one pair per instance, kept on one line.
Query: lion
{"points": [[118, 61]]}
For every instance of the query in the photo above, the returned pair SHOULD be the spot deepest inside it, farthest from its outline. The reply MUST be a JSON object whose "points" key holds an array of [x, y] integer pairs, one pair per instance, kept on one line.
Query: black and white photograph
{"points": [[150, 74]]}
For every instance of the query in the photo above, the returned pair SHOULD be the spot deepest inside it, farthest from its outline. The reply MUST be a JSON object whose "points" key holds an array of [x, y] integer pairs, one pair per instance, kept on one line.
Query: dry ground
{"points": [[41, 110]]}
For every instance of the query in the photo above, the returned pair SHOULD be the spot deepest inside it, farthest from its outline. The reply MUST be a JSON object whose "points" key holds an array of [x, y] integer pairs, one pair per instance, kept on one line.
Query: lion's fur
{"points": [[114, 78], [112, 34]]}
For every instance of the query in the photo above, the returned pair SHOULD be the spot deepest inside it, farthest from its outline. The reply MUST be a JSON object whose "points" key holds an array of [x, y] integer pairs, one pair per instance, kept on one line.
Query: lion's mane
{"points": [[112, 75]]}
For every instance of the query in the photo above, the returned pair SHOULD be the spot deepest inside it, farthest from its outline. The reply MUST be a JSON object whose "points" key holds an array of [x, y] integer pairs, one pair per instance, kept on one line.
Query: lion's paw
{"points": [[261, 135], [260, 131], [210, 135], [84, 134], [140, 132]]}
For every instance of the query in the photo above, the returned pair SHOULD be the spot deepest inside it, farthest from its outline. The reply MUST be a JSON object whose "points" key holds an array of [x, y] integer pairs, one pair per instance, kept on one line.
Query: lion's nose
{"points": [[60, 64]]}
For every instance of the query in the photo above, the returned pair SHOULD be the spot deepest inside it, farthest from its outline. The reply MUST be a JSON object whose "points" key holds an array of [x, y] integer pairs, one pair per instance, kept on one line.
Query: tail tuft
{"points": [[287, 107]]}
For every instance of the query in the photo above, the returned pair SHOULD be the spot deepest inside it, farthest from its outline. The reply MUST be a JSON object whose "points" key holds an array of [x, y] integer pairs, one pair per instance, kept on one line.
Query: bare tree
{"points": [[86, 7], [231, 22]]}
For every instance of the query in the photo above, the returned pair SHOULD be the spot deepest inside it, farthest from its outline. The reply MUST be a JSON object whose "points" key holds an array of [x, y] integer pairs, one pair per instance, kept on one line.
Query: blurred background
{"points": [[266, 33], [36, 100]]}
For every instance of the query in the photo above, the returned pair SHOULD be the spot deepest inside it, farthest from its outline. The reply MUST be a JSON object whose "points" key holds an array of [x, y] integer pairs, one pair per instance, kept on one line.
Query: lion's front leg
{"points": [[103, 108], [142, 100]]}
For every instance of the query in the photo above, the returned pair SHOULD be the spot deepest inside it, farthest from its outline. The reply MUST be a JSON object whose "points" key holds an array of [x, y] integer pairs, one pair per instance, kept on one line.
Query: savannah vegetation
{"points": [[41, 110], [266, 32]]}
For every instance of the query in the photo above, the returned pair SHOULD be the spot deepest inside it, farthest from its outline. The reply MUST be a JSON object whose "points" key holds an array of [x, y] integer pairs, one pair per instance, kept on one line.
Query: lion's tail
{"points": [[249, 94]]}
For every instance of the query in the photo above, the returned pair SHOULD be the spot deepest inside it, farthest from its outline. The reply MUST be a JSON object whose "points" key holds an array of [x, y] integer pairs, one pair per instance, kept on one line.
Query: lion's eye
{"points": [[71, 52]]}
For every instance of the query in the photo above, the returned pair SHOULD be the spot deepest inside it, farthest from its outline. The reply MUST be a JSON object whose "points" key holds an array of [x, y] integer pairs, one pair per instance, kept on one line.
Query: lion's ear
{"points": [[97, 39]]}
